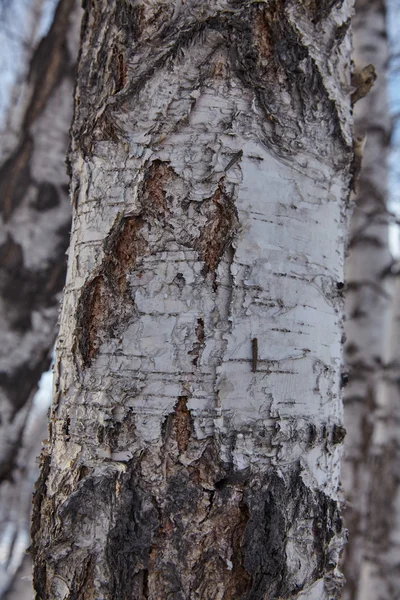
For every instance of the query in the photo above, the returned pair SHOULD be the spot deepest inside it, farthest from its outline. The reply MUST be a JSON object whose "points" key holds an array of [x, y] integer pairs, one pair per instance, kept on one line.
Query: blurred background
{"points": [[39, 43]]}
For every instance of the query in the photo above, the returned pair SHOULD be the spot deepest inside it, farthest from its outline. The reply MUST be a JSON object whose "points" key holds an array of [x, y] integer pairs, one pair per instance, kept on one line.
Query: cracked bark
{"points": [[210, 163]]}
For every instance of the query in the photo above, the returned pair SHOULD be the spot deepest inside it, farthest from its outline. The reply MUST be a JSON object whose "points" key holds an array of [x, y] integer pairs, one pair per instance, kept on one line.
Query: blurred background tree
{"points": [[40, 42]]}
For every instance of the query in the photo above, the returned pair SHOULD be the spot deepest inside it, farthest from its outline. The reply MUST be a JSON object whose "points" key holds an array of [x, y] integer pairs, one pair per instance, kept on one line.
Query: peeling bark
{"points": [[210, 162]]}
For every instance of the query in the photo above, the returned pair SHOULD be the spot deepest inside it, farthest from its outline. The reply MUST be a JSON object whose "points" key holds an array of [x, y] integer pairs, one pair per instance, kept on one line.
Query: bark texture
{"points": [[197, 419], [368, 297], [36, 215]]}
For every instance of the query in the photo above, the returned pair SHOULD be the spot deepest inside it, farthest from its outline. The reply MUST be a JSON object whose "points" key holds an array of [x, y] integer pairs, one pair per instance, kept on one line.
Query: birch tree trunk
{"points": [[197, 419], [368, 293], [36, 216], [380, 569]]}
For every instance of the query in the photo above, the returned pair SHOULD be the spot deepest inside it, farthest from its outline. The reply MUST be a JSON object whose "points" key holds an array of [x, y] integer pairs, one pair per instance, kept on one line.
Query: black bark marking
{"points": [[338, 434], [254, 354]]}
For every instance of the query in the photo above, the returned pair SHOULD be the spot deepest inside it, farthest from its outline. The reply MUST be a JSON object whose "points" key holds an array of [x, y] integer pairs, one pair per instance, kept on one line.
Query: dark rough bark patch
{"points": [[182, 423], [219, 230], [124, 245], [129, 542], [130, 20], [184, 536], [99, 75], [105, 301], [199, 345], [92, 315], [39, 500], [320, 9], [154, 190], [107, 129], [271, 58], [116, 435], [262, 35], [338, 434], [276, 507], [122, 70], [217, 523]]}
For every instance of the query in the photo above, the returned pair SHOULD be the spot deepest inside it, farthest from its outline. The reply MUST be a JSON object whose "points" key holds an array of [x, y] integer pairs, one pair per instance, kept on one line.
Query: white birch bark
{"points": [[35, 223], [368, 294], [197, 418]]}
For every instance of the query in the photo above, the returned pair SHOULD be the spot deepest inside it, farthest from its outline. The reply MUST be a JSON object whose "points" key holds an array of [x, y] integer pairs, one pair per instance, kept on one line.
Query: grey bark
{"points": [[36, 215], [197, 420]]}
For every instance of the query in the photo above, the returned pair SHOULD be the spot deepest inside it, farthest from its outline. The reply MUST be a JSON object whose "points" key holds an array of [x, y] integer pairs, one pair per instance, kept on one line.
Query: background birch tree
{"points": [[197, 418], [36, 215], [368, 299]]}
